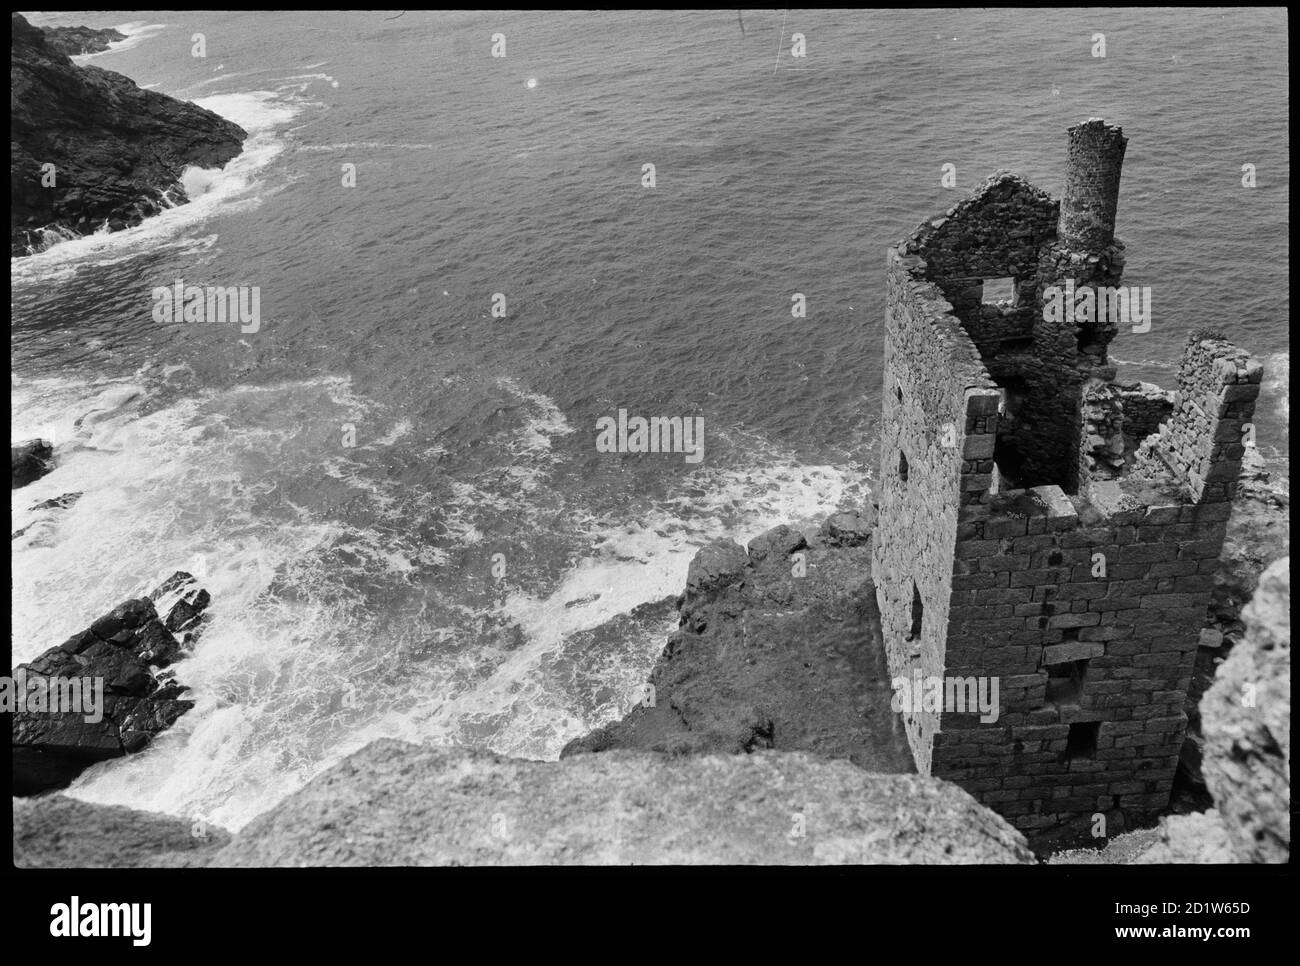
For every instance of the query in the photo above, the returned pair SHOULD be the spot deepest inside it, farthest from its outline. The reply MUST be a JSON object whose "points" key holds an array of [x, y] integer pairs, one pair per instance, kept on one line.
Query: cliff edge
{"points": [[398, 804], [115, 149]]}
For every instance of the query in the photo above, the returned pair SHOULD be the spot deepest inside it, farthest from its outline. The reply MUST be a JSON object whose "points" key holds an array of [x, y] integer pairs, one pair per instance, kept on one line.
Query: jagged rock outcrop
{"points": [[47, 511], [73, 41], [394, 803], [57, 832], [121, 700], [774, 651], [1246, 718], [1258, 534], [29, 461], [115, 148]]}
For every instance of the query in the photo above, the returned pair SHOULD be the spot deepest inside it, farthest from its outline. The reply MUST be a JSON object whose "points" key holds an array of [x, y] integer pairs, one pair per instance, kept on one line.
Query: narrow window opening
{"points": [[1081, 743], [1000, 292], [918, 614], [1065, 682], [902, 467]]}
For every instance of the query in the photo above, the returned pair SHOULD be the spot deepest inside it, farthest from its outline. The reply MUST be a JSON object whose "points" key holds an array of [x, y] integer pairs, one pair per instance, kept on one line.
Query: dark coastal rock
{"points": [[115, 148], [780, 540], [74, 41], [30, 460], [61, 502], [849, 529], [770, 654], [715, 566], [183, 600], [123, 650]]}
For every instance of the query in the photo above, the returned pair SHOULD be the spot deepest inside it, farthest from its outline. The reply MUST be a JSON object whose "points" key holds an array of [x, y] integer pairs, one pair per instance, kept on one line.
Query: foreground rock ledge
{"points": [[394, 803], [57, 832]]}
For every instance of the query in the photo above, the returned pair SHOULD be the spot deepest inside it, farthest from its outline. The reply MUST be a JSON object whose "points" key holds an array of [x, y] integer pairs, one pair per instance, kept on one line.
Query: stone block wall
{"points": [[1101, 442], [1088, 614], [1202, 444], [1145, 407], [924, 464]]}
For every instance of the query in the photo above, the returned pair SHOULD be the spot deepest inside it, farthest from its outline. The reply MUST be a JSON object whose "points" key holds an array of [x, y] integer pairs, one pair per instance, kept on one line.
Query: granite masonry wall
{"points": [[1145, 407], [1064, 547], [1203, 442], [923, 432]]}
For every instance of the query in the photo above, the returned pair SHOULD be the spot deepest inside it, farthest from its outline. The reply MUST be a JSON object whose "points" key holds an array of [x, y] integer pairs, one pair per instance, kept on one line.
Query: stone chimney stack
{"points": [[1095, 157]]}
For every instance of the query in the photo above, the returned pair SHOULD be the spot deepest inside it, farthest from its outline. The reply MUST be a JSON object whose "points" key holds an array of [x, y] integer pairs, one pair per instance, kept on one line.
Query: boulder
{"points": [[848, 529], [715, 566], [30, 460], [124, 703], [780, 541]]}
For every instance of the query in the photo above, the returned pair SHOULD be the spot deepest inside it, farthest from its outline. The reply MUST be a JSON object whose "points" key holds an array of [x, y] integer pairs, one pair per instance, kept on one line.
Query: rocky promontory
{"points": [[779, 647], [76, 41], [89, 148]]}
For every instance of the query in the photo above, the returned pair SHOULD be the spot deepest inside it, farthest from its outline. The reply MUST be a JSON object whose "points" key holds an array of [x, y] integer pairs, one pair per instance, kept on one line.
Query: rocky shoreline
{"points": [[764, 737], [78, 41], [88, 148]]}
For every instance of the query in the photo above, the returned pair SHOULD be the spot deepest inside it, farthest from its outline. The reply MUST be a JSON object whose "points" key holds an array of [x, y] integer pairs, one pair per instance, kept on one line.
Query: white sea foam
{"points": [[544, 424], [295, 630], [179, 488]]}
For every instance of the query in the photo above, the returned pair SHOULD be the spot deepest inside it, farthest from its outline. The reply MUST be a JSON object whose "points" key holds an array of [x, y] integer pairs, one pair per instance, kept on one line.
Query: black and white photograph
{"points": [[453, 445]]}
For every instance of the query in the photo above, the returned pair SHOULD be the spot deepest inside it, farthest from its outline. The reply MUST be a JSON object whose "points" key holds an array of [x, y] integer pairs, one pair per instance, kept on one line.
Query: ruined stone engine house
{"points": [[1039, 522]]}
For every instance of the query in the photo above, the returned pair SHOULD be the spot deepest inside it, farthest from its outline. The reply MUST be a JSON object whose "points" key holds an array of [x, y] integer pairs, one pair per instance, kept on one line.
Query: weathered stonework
{"points": [[1039, 524]]}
